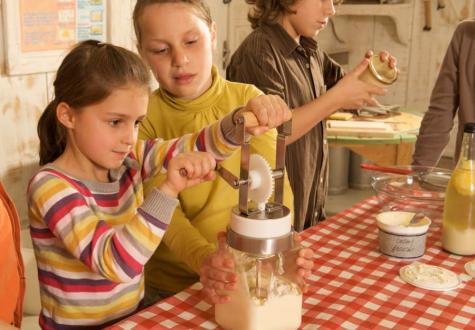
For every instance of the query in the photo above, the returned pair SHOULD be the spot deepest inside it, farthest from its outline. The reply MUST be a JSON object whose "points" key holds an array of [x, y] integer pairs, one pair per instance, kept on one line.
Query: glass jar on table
{"points": [[267, 296], [458, 226]]}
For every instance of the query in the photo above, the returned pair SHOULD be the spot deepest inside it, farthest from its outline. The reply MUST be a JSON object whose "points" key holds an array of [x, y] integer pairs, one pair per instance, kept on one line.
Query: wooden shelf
{"points": [[397, 12]]}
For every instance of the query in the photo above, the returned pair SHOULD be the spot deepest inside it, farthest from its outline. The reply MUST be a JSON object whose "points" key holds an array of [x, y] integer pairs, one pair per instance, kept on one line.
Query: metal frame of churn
{"points": [[257, 226]]}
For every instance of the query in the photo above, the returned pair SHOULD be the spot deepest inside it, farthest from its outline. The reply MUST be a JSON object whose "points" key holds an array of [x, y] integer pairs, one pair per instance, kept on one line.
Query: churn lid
{"points": [[382, 71]]}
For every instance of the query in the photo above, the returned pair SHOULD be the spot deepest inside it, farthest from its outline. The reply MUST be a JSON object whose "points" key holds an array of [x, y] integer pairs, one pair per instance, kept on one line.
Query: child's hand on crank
{"points": [[270, 111]]}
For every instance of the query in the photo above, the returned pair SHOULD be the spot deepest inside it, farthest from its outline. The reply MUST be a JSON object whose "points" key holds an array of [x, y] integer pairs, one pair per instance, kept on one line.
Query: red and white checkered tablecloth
{"points": [[352, 285]]}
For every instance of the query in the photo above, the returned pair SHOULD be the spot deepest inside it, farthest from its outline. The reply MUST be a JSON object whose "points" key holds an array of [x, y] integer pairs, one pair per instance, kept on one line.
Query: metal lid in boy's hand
{"points": [[381, 70]]}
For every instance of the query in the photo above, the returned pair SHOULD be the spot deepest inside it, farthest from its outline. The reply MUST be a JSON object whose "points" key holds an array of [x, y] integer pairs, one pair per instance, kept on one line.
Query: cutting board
{"points": [[383, 127], [359, 128]]}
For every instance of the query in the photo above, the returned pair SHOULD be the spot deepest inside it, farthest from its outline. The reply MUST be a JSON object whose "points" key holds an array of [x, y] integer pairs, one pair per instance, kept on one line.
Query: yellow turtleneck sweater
{"points": [[204, 209]]}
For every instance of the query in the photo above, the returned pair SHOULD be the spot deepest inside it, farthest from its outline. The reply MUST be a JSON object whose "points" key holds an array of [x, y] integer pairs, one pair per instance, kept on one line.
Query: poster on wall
{"points": [[39, 33]]}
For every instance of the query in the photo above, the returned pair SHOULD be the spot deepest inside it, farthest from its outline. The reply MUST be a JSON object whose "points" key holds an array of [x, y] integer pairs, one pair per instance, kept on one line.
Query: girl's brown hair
{"points": [[200, 7], [267, 11], [90, 72]]}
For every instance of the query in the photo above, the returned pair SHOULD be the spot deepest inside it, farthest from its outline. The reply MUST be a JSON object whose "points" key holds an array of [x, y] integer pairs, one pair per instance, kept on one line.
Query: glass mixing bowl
{"points": [[421, 190]]}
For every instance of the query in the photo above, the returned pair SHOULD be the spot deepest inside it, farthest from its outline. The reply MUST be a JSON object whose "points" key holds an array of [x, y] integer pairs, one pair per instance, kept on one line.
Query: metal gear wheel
{"points": [[262, 182]]}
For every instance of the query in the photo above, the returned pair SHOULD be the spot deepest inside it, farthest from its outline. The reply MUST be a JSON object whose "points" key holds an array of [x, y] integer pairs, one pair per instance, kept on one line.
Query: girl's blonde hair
{"points": [[90, 72], [268, 11], [200, 7]]}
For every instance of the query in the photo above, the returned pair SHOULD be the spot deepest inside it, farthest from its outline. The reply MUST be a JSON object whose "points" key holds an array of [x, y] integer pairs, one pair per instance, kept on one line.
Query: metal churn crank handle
{"points": [[245, 120], [278, 175]]}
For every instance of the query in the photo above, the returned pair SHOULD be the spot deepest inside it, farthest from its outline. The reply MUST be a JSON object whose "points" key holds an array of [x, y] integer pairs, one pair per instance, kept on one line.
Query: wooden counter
{"points": [[394, 150]]}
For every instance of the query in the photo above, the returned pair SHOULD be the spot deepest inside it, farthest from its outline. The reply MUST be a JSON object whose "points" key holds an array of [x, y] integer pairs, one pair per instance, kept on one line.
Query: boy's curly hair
{"points": [[267, 11]]}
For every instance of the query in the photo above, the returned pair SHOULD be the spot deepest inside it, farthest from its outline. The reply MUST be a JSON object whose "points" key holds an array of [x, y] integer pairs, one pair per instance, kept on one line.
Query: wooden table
{"points": [[396, 150], [352, 284]]}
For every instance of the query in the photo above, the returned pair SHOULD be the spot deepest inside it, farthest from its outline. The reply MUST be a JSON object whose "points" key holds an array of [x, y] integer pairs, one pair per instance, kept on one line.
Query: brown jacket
{"points": [[12, 276], [275, 63], [453, 95]]}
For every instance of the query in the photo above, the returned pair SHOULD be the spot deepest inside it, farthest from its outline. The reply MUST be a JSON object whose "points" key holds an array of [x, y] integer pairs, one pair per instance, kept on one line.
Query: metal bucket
{"points": [[339, 160]]}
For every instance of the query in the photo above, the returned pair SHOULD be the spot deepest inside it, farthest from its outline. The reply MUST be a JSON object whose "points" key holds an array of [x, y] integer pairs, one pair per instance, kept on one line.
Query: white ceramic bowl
{"points": [[397, 222], [398, 237]]}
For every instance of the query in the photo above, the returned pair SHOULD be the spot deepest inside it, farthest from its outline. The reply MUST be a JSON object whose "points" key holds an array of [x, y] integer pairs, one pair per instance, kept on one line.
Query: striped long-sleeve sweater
{"points": [[92, 239]]}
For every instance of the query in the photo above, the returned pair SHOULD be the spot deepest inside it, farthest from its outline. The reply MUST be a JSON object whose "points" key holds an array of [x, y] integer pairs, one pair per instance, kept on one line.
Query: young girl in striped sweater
{"points": [[91, 227]]}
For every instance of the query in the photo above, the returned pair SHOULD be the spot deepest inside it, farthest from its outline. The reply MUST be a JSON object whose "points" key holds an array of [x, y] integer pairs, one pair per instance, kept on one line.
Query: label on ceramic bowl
{"points": [[429, 277], [402, 246]]}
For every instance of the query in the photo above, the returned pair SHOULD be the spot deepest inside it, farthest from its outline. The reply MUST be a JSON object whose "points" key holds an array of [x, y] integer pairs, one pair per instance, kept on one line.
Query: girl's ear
{"points": [[65, 115], [214, 35]]}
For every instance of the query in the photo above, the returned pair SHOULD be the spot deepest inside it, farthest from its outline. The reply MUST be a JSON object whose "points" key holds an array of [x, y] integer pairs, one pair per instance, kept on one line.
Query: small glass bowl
{"points": [[420, 191]]}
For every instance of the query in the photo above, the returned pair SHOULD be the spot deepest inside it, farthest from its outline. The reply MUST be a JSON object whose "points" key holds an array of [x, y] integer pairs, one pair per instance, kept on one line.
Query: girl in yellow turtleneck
{"points": [[176, 39]]}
